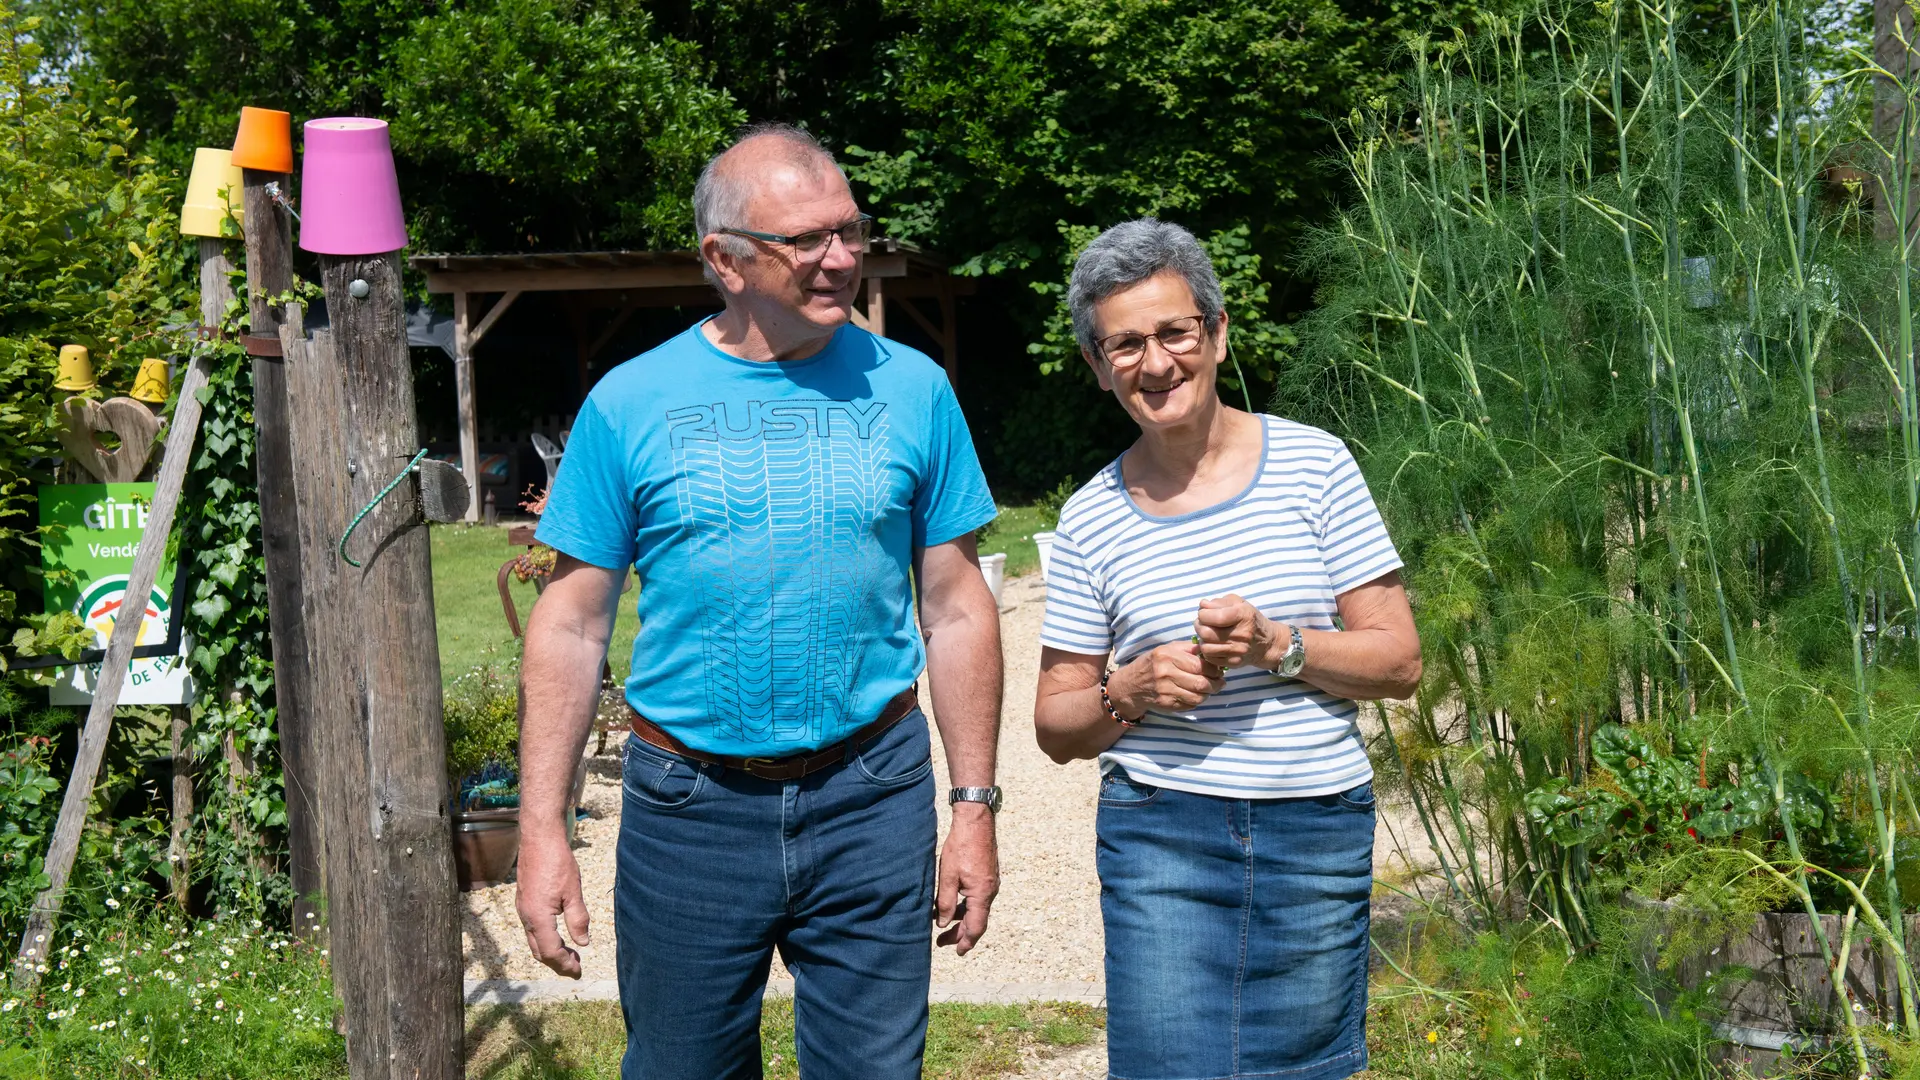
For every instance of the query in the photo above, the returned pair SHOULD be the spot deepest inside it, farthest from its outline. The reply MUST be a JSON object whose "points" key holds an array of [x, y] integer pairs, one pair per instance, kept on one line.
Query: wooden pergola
{"points": [[604, 288]]}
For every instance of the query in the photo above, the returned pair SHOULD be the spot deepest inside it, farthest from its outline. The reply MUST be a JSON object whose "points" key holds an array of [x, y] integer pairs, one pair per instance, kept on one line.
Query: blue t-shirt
{"points": [[772, 510]]}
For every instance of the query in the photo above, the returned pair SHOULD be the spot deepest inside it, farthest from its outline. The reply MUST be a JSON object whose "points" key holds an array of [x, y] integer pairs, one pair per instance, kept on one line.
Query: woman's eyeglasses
{"points": [[810, 247], [1177, 336]]}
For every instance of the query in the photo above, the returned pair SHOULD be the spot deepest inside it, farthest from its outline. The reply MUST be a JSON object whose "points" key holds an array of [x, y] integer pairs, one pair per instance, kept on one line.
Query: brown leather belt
{"points": [[792, 767]]}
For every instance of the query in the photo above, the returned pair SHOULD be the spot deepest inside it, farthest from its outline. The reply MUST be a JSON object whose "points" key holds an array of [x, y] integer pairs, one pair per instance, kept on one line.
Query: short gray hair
{"points": [[721, 195], [1130, 253]]}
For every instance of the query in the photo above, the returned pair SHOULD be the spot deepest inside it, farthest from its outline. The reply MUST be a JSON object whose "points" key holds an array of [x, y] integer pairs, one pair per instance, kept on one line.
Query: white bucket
{"points": [[1044, 541], [994, 569]]}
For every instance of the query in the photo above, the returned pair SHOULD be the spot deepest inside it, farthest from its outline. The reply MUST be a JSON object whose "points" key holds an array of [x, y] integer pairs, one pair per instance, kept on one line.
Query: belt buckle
{"points": [[765, 768]]}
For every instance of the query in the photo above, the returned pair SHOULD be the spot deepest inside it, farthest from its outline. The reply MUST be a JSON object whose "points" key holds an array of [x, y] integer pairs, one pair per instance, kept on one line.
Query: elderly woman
{"points": [[1235, 570]]}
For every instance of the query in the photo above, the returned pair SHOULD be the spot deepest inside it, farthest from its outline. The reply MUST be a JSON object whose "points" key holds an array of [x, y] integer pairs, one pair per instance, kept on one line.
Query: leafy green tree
{"points": [[89, 255], [517, 124], [994, 131], [1021, 129]]}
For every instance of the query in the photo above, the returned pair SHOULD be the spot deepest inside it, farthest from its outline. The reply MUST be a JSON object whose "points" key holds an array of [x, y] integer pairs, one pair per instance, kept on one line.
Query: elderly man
{"points": [[782, 481]]}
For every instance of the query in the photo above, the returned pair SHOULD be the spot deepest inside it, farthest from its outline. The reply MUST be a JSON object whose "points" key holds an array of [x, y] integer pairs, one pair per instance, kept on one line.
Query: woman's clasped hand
{"points": [[1171, 678]]}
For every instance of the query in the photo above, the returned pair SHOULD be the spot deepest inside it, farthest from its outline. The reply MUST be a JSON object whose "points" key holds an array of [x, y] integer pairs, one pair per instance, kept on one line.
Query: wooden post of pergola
{"points": [[622, 282]]}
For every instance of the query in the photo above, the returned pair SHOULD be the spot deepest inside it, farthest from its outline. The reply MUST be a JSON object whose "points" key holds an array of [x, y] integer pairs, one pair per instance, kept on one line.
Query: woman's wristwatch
{"points": [[1295, 657]]}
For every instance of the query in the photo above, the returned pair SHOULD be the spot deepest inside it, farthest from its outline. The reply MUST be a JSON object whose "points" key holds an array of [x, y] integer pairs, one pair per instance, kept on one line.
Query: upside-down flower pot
{"points": [[1044, 541], [994, 569], [213, 193], [264, 141], [150, 385], [349, 195], [76, 369]]}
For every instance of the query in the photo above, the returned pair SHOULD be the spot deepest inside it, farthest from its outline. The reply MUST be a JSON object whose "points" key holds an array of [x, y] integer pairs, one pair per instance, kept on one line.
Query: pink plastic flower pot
{"points": [[349, 195]]}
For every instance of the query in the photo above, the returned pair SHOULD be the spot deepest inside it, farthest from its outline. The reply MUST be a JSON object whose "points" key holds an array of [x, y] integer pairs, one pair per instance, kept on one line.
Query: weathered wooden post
{"points": [[263, 151], [392, 915], [213, 197]]}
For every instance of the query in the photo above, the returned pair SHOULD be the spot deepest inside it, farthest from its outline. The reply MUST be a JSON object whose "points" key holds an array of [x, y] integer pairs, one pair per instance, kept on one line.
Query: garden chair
{"points": [[550, 454]]}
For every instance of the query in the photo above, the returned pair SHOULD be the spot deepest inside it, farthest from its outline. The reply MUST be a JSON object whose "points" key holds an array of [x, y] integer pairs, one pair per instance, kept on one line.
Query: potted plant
{"points": [[482, 716]]}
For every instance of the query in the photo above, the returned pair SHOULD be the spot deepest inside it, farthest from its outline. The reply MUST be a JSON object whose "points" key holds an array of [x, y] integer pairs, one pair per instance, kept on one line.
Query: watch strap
{"points": [[1295, 657], [990, 796]]}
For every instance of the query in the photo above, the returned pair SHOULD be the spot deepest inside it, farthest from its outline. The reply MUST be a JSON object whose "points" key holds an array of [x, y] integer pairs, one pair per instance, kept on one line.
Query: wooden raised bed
{"points": [[1787, 995]]}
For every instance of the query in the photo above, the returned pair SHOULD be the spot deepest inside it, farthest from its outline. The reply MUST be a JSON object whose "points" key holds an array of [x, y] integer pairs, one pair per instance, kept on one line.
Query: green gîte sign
{"points": [[89, 533]]}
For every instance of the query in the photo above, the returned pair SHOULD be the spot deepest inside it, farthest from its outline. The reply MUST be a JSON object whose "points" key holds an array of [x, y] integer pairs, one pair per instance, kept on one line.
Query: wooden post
{"points": [[393, 910], [179, 869], [467, 334], [216, 292], [35, 940], [949, 335], [877, 306], [269, 239], [1895, 50], [464, 395], [216, 287]]}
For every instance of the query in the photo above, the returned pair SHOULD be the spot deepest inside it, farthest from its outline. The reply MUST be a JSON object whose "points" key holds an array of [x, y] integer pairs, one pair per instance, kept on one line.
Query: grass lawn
{"points": [[584, 1040], [1012, 532], [473, 629], [466, 602]]}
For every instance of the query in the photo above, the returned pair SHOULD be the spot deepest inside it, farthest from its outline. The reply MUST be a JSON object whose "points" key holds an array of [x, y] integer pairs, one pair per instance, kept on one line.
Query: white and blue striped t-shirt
{"points": [[1122, 581]]}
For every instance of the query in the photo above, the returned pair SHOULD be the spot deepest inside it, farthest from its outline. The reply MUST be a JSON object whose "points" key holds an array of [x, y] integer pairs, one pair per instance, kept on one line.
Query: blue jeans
{"points": [[717, 869], [1236, 932]]}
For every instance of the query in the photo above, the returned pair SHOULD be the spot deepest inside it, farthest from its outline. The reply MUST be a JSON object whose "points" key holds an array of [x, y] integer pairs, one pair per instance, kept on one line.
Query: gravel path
{"points": [[1046, 922], [1045, 925]]}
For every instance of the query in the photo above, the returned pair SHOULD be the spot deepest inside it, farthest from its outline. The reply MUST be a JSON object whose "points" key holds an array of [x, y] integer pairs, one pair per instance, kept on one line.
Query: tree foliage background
{"points": [[997, 132]]}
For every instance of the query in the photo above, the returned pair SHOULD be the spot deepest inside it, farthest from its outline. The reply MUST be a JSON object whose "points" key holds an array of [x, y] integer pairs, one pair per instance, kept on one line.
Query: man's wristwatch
{"points": [[987, 795], [1295, 657]]}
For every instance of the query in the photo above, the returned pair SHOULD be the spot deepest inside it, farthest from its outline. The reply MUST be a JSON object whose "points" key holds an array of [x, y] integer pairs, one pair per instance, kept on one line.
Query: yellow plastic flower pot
{"points": [[76, 369], [205, 208], [150, 385]]}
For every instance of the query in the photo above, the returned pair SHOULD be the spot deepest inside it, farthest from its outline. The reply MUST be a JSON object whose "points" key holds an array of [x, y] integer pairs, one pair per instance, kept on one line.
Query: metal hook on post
{"points": [[280, 199], [442, 494]]}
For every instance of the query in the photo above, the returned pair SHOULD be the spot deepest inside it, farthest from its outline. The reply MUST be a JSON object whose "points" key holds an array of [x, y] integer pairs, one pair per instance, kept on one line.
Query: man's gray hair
{"points": [[721, 195], [1130, 253]]}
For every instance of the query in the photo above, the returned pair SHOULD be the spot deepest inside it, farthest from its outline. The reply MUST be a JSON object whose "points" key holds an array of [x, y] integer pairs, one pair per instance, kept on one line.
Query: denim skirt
{"points": [[1236, 932]]}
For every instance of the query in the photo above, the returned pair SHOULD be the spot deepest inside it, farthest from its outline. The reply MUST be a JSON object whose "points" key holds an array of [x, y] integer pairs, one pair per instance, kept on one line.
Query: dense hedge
{"points": [[90, 253]]}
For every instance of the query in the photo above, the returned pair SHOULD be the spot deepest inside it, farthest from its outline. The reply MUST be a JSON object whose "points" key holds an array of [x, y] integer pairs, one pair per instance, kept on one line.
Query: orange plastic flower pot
{"points": [[265, 140]]}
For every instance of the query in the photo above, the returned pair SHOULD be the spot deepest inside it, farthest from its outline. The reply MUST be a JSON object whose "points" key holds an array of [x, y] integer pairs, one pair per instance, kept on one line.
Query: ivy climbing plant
{"points": [[239, 826]]}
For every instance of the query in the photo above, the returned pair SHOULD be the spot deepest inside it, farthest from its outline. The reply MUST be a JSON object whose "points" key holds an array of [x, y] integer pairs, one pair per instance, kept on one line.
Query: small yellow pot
{"points": [[205, 208], [150, 385], [76, 369]]}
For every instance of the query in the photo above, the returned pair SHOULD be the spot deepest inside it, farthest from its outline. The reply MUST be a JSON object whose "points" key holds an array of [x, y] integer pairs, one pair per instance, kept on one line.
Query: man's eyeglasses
{"points": [[1177, 336], [812, 246]]}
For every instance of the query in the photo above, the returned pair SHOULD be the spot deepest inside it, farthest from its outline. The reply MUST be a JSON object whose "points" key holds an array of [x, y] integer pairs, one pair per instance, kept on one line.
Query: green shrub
{"points": [[90, 254], [482, 711], [1461, 1004]]}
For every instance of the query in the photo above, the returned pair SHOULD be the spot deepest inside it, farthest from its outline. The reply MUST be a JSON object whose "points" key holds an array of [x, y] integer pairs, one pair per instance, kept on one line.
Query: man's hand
{"points": [[559, 689], [549, 888], [969, 867], [962, 631], [1233, 633], [1171, 678]]}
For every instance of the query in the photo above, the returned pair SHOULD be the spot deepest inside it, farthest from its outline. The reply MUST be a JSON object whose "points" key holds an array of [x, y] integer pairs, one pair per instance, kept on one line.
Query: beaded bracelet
{"points": [[1108, 702]]}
